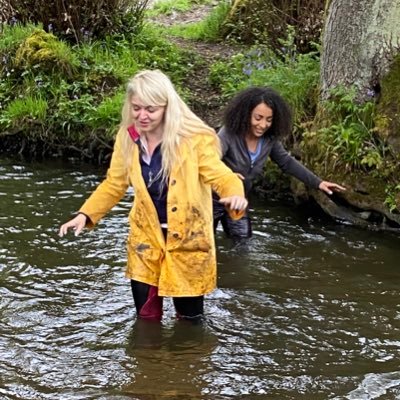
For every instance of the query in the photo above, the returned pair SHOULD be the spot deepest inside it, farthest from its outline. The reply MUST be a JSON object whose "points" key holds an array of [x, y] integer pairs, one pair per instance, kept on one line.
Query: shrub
{"points": [[151, 50], [295, 76], [348, 138], [78, 21], [83, 86], [265, 21], [10, 39], [45, 50]]}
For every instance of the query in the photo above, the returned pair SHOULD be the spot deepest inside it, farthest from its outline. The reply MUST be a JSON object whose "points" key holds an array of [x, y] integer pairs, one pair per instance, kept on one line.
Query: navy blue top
{"points": [[157, 189]]}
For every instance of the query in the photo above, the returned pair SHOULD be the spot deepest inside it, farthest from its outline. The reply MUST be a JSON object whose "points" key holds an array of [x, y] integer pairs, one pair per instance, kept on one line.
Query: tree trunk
{"points": [[361, 49], [360, 40], [6, 12]]}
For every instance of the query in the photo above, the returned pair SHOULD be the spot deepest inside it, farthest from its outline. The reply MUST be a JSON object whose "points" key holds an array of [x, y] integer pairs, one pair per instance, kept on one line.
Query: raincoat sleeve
{"points": [[112, 189], [214, 172]]}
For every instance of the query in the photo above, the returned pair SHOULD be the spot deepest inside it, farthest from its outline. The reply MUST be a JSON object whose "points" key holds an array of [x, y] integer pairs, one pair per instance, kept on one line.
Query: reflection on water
{"points": [[307, 310], [171, 361]]}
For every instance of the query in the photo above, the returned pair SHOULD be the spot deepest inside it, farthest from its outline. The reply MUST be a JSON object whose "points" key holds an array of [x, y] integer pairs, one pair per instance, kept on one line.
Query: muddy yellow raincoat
{"points": [[185, 263]]}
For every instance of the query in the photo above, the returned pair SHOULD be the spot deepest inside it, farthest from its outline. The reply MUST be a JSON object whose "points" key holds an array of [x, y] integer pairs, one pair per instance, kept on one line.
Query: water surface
{"points": [[308, 310]]}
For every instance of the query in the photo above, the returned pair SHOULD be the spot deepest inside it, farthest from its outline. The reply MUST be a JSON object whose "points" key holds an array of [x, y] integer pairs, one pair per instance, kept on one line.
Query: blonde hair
{"points": [[154, 88]]}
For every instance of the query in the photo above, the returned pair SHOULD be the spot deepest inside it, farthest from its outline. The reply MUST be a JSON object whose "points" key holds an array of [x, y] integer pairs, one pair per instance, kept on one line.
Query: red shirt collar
{"points": [[133, 133]]}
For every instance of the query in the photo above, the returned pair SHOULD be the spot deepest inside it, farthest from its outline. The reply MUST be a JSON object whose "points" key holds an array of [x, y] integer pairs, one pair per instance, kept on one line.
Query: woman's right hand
{"points": [[76, 224], [235, 203]]}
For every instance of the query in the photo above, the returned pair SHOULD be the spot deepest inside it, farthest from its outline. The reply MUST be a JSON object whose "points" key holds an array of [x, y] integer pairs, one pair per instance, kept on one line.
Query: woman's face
{"points": [[148, 118], [261, 120]]}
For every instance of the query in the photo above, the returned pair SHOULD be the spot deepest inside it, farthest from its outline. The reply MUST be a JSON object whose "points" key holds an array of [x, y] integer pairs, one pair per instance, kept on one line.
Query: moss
{"points": [[388, 110], [44, 49]]}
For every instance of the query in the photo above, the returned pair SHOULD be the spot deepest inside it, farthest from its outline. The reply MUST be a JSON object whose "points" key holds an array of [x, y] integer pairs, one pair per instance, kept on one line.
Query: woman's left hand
{"points": [[330, 187], [238, 203]]}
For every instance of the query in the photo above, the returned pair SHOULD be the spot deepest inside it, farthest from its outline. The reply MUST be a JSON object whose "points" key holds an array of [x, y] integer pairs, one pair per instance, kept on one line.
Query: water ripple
{"points": [[304, 310]]}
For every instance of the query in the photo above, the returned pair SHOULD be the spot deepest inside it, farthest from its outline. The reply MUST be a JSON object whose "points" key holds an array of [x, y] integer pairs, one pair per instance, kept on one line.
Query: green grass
{"points": [[25, 111], [107, 114], [208, 30], [100, 60], [12, 36], [168, 7], [83, 84]]}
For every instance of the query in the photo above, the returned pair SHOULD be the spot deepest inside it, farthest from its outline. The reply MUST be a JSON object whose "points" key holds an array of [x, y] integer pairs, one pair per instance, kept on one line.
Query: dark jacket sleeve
{"points": [[224, 141], [291, 166]]}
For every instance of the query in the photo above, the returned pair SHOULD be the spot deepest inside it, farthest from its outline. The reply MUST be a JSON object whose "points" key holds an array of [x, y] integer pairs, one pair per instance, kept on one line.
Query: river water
{"points": [[308, 310]]}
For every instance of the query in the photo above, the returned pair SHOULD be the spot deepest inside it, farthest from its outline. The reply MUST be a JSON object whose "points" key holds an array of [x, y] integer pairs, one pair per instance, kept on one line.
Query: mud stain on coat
{"points": [[141, 247], [195, 237]]}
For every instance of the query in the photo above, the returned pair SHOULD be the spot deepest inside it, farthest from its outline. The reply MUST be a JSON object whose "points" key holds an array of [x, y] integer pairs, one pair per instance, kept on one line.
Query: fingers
{"points": [[339, 188], [78, 230], [63, 230], [330, 187], [76, 224], [235, 202], [69, 225], [325, 189]]}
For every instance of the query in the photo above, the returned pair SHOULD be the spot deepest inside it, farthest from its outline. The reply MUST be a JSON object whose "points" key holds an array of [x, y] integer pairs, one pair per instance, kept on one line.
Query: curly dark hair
{"points": [[237, 115]]}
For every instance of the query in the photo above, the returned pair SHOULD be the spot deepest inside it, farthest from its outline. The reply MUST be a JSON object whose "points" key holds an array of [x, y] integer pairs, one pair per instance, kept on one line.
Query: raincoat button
{"points": [[176, 235], [173, 182], [173, 209]]}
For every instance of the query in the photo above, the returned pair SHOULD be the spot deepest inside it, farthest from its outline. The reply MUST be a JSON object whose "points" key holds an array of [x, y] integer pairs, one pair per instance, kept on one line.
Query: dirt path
{"points": [[206, 100]]}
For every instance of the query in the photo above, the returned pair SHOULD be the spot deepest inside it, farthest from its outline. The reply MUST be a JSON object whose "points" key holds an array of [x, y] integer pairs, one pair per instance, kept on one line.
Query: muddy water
{"points": [[308, 310]]}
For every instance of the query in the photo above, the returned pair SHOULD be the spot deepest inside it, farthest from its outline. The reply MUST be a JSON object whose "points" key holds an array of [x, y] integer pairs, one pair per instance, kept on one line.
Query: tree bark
{"points": [[361, 50], [6, 12], [360, 39]]}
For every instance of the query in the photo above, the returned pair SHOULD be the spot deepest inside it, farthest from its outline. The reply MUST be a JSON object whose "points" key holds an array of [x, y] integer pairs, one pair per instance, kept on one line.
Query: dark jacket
{"points": [[236, 156]]}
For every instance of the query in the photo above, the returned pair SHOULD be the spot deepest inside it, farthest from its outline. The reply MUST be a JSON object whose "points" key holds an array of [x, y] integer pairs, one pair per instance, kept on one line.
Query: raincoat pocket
{"points": [[144, 261]]}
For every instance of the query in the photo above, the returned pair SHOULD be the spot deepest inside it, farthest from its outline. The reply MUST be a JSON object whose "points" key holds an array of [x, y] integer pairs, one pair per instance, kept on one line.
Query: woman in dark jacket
{"points": [[255, 120]]}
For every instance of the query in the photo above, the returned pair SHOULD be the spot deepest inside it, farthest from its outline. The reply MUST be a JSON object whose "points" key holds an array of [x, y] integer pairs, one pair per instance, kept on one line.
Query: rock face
{"points": [[361, 209], [362, 204]]}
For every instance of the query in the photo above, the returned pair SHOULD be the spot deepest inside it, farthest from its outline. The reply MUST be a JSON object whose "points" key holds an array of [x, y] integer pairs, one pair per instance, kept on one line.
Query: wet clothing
{"points": [[237, 157], [239, 228], [147, 301], [149, 305], [183, 264]]}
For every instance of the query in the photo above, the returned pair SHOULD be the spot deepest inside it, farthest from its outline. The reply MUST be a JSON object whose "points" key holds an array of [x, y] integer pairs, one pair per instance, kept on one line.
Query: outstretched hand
{"points": [[330, 187], [237, 203], [76, 224]]}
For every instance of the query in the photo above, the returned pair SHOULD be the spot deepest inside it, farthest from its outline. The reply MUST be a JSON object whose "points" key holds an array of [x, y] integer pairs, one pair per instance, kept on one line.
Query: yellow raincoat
{"points": [[185, 263]]}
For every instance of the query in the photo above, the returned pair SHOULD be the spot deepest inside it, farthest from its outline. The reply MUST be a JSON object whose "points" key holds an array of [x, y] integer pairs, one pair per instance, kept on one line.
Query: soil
{"points": [[206, 99]]}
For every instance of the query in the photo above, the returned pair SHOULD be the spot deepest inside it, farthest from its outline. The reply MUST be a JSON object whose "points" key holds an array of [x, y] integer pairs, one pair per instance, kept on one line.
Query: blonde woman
{"points": [[172, 160]]}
